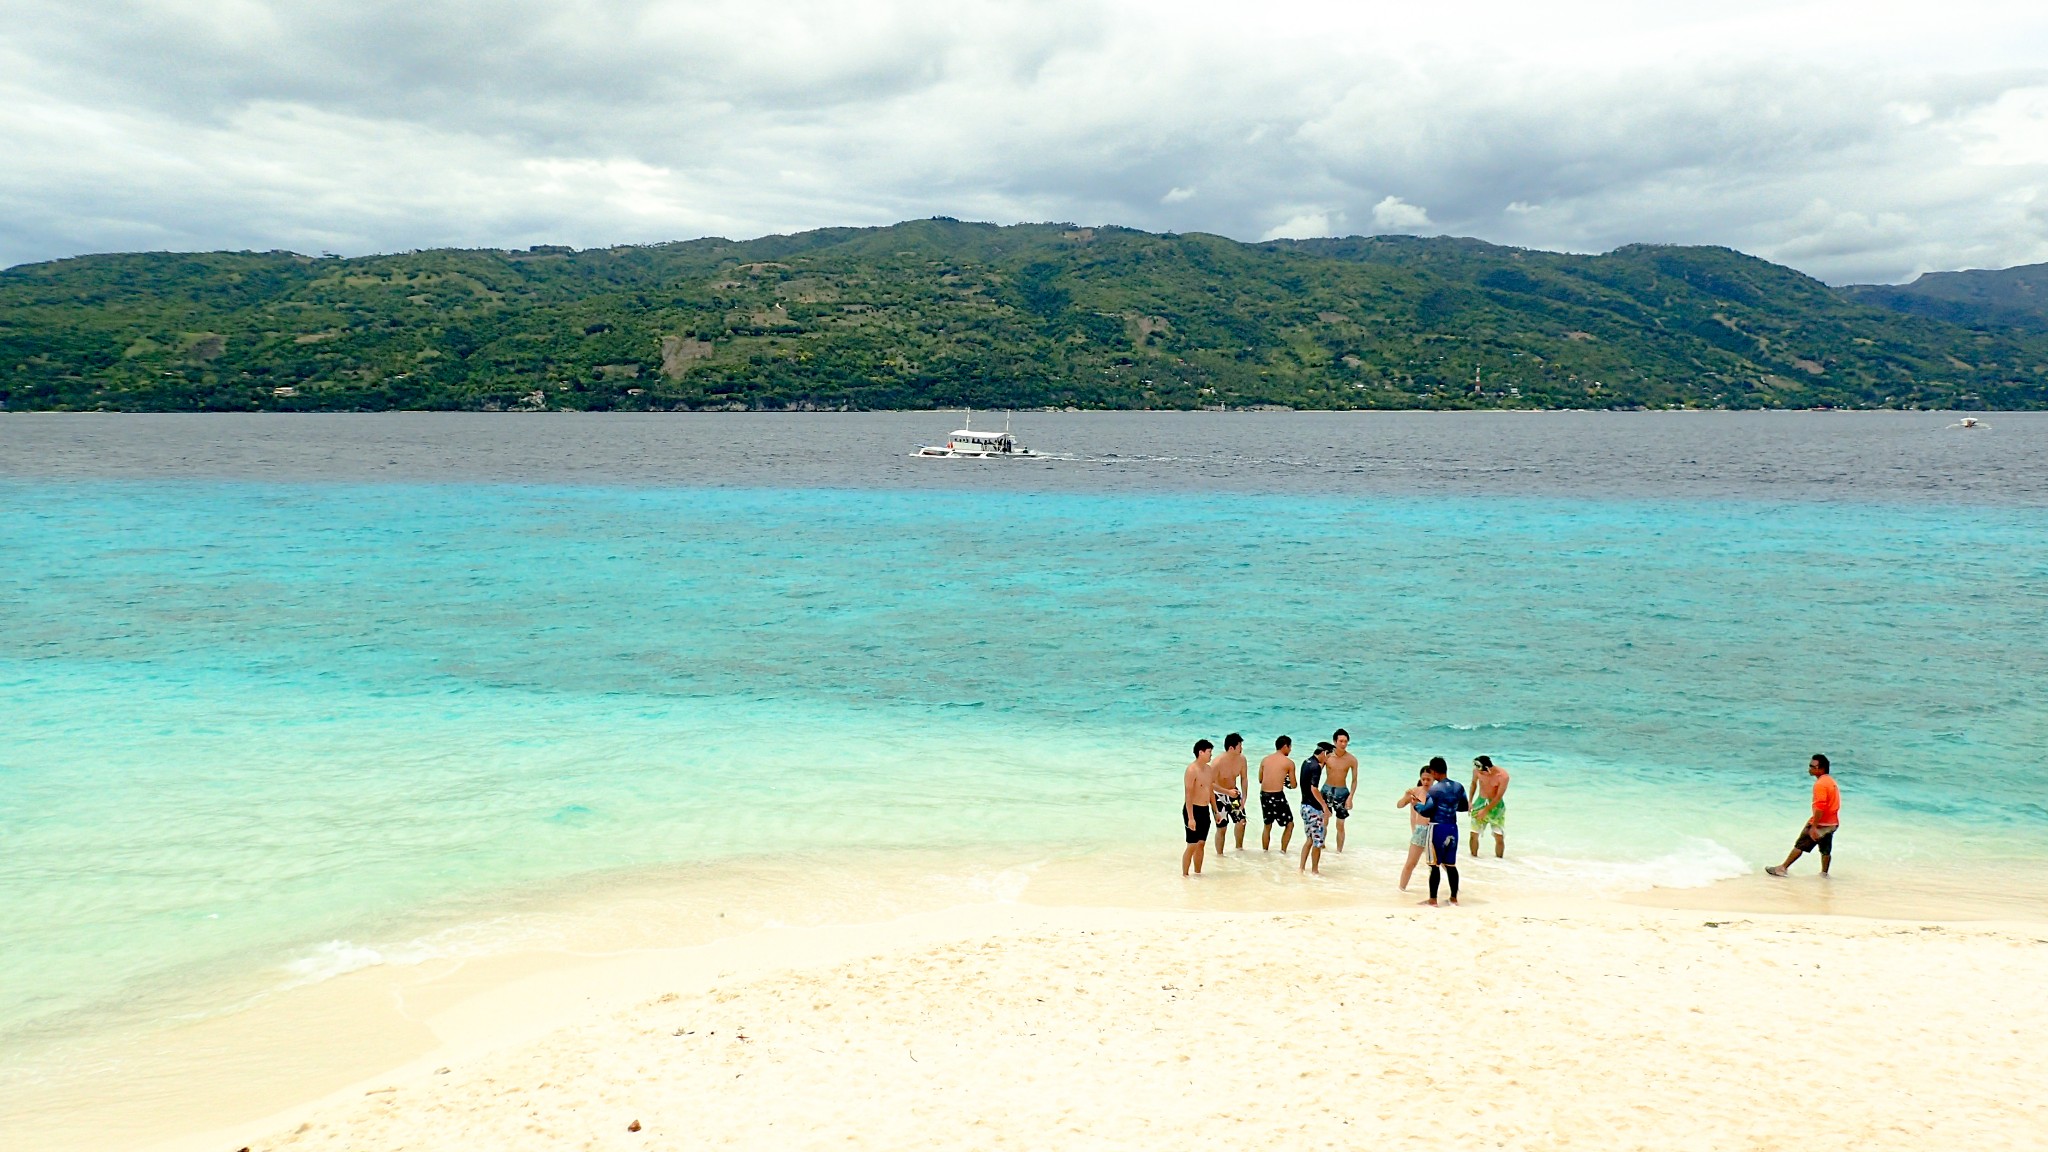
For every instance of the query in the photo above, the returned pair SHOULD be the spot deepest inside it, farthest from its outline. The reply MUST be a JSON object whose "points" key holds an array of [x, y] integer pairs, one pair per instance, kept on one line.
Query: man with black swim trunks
{"points": [[1232, 777], [1276, 776], [1197, 789], [1446, 799]]}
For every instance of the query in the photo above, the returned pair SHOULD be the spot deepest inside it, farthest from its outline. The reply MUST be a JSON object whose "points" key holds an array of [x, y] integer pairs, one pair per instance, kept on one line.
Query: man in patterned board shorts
{"points": [[1315, 811], [1232, 775]]}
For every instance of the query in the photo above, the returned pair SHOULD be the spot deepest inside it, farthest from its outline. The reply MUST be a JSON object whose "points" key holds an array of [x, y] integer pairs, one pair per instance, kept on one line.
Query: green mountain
{"points": [[2008, 298], [944, 313]]}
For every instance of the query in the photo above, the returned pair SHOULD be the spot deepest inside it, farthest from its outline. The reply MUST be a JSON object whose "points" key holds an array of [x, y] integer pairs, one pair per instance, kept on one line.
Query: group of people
{"points": [[1215, 788]]}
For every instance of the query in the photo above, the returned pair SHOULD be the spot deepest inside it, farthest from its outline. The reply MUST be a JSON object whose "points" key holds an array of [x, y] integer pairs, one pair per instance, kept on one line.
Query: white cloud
{"points": [[1859, 140], [1397, 215], [1301, 226]]}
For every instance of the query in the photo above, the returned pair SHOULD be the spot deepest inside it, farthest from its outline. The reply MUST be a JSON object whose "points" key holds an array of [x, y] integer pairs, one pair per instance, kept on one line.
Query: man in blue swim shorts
{"points": [[1446, 799], [1342, 765]]}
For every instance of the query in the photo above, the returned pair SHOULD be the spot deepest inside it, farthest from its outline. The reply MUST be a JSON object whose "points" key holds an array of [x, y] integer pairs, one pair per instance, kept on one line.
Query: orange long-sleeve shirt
{"points": [[1827, 801]]}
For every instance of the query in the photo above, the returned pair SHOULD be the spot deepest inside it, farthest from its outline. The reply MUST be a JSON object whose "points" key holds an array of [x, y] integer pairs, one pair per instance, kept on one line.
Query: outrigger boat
{"points": [[967, 444]]}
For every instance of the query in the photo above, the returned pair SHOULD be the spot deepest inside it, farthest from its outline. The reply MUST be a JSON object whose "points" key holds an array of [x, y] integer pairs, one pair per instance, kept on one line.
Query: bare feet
{"points": [[1775, 870], [1428, 904]]}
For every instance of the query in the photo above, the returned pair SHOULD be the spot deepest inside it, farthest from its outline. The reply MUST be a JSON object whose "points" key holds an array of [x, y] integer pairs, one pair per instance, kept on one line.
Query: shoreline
{"points": [[240, 1078]]}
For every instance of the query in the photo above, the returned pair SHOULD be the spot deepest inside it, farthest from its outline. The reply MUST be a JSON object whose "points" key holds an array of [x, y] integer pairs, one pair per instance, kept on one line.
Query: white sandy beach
{"points": [[1539, 1024]]}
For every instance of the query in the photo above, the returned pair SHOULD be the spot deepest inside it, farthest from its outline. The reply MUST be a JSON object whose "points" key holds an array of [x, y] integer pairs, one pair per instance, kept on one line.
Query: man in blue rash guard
{"points": [[1446, 799]]}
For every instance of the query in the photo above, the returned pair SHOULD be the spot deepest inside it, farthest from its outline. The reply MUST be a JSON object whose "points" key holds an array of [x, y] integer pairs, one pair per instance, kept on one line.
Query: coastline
{"points": [[407, 712], [325, 1054]]}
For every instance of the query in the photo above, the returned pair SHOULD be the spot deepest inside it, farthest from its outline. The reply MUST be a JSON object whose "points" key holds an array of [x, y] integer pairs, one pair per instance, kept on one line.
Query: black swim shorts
{"points": [[1807, 843], [1275, 808], [1200, 831]]}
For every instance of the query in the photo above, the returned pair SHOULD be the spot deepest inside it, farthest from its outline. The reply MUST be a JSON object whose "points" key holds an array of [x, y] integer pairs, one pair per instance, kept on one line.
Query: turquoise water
{"points": [[251, 725]]}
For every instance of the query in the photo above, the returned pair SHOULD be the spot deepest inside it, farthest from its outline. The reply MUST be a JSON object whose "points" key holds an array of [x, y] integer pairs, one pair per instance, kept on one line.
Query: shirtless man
{"points": [[1343, 767], [1197, 790], [1418, 826], [1315, 811], [1276, 775], [1232, 776], [1489, 805]]}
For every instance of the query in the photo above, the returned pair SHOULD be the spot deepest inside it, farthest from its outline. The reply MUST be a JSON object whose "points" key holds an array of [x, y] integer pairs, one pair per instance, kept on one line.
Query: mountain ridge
{"points": [[943, 313], [1983, 298]]}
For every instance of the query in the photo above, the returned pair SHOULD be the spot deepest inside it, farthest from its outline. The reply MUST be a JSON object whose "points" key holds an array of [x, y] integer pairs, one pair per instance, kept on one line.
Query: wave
{"points": [[1509, 726], [341, 957], [1695, 863], [335, 958]]}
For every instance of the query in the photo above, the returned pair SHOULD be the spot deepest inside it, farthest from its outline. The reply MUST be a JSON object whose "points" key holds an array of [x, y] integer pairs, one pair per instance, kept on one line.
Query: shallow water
{"points": [[285, 696]]}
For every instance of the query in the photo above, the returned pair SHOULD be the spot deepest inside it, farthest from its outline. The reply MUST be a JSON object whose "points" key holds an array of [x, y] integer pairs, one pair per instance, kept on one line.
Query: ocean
{"points": [[286, 696]]}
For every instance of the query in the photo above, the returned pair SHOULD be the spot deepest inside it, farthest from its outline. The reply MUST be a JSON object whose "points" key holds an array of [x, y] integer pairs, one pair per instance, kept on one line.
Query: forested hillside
{"points": [[1988, 299], [943, 313]]}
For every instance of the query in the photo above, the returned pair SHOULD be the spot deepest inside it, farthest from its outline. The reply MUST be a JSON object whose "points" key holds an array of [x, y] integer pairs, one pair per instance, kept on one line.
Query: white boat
{"points": [[1969, 422], [967, 444]]}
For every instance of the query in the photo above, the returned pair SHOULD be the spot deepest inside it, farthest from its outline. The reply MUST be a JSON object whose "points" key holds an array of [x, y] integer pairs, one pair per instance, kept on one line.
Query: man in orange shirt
{"points": [[1820, 827]]}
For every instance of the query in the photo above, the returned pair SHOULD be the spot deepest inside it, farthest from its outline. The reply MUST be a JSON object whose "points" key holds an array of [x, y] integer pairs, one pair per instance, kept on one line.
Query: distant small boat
{"points": [[1969, 422], [967, 444]]}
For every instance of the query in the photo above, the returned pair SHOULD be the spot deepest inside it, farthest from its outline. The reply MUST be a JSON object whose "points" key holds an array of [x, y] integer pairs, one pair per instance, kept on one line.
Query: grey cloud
{"points": [[374, 126]]}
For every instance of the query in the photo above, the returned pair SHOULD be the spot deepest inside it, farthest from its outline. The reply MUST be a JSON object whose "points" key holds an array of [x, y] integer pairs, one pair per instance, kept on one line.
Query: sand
{"points": [[1519, 1025]]}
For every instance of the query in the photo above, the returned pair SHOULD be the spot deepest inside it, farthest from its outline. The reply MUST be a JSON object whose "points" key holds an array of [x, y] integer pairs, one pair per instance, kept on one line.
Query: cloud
{"points": [[1397, 215], [1855, 140], [1301, 226]]}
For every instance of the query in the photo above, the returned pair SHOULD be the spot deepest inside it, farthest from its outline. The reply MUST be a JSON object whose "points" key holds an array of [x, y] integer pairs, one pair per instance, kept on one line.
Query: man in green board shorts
{"points": [[1489, 805]]}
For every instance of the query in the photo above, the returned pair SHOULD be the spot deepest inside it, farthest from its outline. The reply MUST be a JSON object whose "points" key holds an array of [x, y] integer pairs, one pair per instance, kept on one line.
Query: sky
{"points": [[1858, 142]]}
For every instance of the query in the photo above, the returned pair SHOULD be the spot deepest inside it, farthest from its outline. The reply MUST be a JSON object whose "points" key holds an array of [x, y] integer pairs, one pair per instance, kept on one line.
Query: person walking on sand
{"points": [[1276, 776], [1441, 806], [1197, 790], [1315, 811], [1489, 805], [1342, 766], [1232, 777], [1820, 827], [1418, 825]]}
